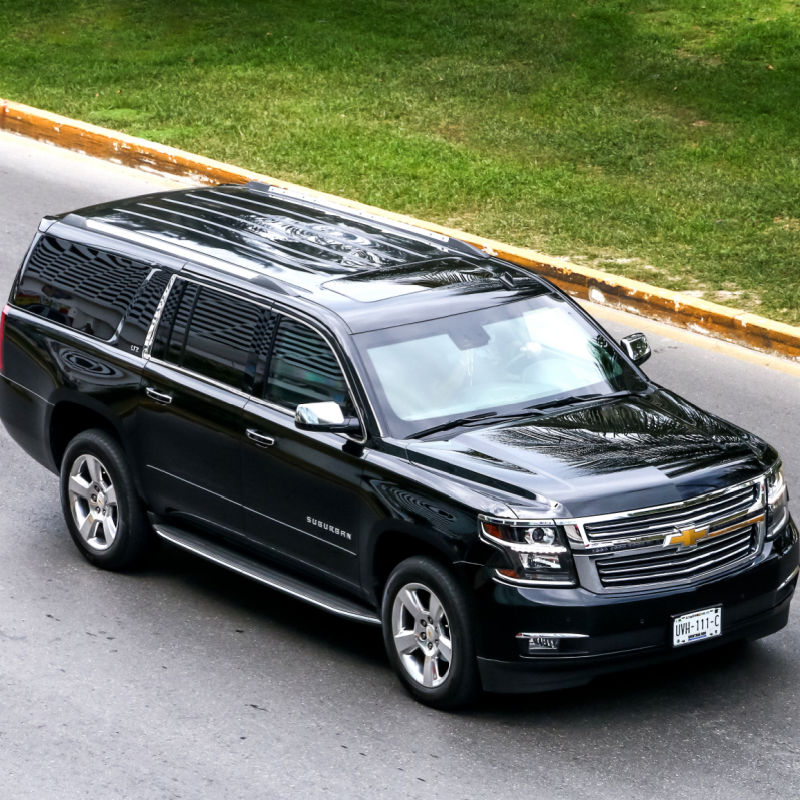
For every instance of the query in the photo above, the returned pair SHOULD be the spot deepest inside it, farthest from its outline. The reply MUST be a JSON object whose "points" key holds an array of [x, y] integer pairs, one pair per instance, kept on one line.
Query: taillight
{"points": [[2, 333]]}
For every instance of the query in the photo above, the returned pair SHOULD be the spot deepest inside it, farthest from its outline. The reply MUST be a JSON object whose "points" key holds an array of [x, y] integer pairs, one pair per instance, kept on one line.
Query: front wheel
{"points": [[427, 631], [101, 507]]}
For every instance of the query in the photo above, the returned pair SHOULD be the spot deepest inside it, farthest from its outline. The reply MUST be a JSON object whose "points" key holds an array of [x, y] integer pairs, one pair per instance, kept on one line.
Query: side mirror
{"points": [[636, 347], [326, 416]]}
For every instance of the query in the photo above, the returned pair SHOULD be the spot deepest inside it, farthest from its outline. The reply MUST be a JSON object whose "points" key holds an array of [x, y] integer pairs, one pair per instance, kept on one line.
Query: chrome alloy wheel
{"points": [[421, 635], [93, 502]]}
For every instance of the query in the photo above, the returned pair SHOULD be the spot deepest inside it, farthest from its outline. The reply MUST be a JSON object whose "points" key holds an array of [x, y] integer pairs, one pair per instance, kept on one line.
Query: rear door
{"points": [[189, 419]]}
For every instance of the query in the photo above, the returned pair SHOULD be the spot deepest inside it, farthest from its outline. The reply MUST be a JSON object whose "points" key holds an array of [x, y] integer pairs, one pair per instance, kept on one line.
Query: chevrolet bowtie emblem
{"points": [[686, 536]]}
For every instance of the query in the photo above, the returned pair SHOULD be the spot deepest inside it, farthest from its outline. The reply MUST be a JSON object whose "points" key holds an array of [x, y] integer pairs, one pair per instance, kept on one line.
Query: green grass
{"points": [[659, 140]]}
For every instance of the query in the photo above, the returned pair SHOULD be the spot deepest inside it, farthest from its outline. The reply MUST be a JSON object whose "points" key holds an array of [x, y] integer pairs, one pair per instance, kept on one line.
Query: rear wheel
{"points": [[102, 510], [427, 630]]}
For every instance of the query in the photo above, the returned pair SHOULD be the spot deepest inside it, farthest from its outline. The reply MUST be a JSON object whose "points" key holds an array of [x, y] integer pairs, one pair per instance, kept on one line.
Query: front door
{"points": [[302, 491]]}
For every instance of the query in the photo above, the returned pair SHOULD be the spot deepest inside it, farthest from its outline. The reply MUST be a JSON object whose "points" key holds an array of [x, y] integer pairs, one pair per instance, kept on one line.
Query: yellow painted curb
{"points": [[664, 305]]}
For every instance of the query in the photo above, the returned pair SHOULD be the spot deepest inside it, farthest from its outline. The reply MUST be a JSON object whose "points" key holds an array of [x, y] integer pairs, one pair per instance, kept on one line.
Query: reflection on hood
{"points": [[628, 433], [630, 452]]}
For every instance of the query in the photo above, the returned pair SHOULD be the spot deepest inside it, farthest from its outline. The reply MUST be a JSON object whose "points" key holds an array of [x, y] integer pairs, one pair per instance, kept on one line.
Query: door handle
{"points": [[261, 439], [159, 397]]}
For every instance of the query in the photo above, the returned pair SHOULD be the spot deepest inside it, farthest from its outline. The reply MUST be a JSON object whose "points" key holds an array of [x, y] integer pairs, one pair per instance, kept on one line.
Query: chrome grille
{"points": [[693, 512], [673, 563], [672, 544]]}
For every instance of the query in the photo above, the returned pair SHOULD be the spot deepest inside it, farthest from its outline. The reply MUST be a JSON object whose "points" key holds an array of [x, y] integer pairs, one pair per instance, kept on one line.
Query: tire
{"points": [[101, 507], [428, 634]]}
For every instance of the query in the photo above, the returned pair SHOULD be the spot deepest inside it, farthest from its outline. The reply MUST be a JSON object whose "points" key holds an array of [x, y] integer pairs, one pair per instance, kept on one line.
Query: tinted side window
{"points": [[164, 329], [79, 286], [211, 333], [303, 369], [180, 324]]}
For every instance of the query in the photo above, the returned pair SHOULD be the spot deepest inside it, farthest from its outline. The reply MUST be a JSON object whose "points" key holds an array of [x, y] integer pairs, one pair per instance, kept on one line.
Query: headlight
{"points": [[537, 554], [777, 501]]}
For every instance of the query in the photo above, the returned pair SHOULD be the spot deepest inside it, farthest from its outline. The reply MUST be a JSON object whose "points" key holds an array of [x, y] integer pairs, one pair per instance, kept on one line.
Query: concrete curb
{"points": [[640, 298]]}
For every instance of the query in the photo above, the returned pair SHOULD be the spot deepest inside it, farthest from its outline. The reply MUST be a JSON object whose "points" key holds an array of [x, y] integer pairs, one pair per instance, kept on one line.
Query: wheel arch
{"points": [[68, 418], [394, 545]]}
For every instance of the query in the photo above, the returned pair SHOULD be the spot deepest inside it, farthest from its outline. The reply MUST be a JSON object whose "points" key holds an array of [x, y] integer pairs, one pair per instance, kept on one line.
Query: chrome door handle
{"points": [[159, 397], [261, 439]]}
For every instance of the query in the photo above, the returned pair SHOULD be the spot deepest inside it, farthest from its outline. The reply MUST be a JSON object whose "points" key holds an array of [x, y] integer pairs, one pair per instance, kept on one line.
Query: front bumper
{"points": [[623, 631]]}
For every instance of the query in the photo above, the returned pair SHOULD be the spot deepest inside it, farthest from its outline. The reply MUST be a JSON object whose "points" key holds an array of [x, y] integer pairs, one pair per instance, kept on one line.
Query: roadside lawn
{"points": [[658, 140]]}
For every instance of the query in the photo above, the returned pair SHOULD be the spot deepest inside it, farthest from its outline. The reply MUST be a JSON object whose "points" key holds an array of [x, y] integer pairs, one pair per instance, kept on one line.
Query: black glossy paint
{"points": [[343, 510], [303, 495], [655, 445], [188, 452]]}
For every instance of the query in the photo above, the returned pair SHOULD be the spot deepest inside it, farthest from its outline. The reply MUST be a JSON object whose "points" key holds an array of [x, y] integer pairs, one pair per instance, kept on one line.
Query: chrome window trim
{"points": [[272, 406], [269, 305], [151, 331], [330, 340], [200, 377]]}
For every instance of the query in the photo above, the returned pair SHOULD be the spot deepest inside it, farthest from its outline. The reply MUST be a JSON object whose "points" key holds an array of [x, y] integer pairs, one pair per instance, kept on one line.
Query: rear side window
{"points": [[303, 369], [79, 286], [211, 333]]}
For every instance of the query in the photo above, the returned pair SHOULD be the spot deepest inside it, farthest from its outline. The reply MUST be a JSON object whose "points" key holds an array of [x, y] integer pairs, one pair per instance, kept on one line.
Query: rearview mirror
{"points": [[327, 416], [636, 347]]}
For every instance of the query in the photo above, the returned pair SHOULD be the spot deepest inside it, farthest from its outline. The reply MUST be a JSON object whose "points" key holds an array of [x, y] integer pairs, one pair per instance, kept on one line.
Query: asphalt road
{"points": [[185, 681]]}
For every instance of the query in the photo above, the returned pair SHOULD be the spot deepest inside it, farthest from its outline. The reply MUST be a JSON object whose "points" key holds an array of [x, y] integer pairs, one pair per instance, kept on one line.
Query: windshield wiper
{"points": [[494, 416], [453, 423], [575, 399], [529, 411]]}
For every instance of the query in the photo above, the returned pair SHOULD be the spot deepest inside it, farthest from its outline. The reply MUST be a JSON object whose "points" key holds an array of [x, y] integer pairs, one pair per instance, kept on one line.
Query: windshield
{"points": [[505, 359]]}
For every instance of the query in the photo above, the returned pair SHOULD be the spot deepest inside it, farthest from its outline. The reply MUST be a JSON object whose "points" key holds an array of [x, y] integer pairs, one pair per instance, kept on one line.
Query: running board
{"points": [[270, 576]]}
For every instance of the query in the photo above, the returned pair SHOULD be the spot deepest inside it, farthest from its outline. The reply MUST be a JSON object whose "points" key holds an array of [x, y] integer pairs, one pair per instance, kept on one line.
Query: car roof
{"points": [[369, 270]]}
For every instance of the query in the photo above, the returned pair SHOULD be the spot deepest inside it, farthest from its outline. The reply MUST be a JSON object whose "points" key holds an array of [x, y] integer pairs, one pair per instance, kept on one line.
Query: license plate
{"points": [[697, 626]]}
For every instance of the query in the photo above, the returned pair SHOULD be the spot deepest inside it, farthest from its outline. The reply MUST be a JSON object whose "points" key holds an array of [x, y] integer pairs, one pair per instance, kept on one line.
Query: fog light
{"points": [[538, 643]]}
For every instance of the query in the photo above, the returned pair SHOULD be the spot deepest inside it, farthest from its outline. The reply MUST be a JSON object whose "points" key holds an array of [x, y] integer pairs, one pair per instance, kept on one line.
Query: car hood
{"points": [[630, 452]]}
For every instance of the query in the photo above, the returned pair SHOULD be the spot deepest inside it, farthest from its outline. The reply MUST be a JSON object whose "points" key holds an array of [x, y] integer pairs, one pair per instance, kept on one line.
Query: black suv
{"points": [[392, 425]]}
